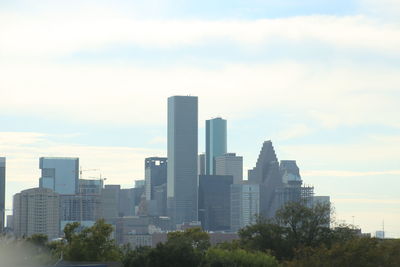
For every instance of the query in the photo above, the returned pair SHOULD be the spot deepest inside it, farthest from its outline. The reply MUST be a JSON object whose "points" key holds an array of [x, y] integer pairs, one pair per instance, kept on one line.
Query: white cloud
{"points": [[296, 130], [47, 36], [338, 173]]}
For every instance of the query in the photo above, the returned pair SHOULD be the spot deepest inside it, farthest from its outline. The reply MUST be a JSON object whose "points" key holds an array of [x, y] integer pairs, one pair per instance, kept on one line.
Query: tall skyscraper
{"points": [[230, 164], [109, 202], [267, 175], [245, 205], [182, 179], [36, 211], [215, 202], [216, 142], [60, 175], [2, 191]]}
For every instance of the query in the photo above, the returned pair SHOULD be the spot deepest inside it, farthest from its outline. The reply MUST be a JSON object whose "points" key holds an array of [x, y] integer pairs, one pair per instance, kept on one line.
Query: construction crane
{"points": [[86, 170]]}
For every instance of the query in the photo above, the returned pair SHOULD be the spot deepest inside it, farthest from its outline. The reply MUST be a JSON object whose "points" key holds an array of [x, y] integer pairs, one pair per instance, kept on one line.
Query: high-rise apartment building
{"points": [[2, 192], [230, 164], [215, 202], [60, 175], [36, 211], [182, 179], [216, 142], [245, 205]]}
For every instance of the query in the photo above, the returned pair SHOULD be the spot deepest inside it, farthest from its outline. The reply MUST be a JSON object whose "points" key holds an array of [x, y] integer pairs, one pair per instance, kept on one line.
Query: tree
{"points": [[183, 248], [90, 244], [295, 225], [305, 226], [38, 239], [217, 257]]}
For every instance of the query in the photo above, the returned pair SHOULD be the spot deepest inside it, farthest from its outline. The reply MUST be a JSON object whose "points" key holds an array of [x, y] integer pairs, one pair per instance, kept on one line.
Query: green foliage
{"points": [[216, 257], [296, 225], [38, 239], [90, 244], [185, 248], [356, 252]]}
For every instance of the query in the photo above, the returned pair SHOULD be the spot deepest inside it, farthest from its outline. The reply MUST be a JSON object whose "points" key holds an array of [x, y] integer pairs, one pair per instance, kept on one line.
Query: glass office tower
{"points": [[216, 142], [60, 174], [182, 158]]}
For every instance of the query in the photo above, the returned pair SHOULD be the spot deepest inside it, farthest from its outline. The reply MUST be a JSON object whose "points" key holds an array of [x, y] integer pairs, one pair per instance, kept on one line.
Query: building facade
{"points": [[215, 202], [60, 175], [182, 179], [230, 164], [36, 211], [245, 205], [216, 142], [155, 178], [2, 192]]}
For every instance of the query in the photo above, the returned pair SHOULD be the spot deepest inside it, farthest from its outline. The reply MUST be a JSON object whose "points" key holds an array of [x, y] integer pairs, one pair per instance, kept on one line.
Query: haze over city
{"points": [[319, 79]]}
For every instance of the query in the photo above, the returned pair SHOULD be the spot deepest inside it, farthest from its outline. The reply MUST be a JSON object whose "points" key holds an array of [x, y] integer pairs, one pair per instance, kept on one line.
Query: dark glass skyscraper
{"points": [[215, 202], [182, 158], [2, 191], [216, 142]]}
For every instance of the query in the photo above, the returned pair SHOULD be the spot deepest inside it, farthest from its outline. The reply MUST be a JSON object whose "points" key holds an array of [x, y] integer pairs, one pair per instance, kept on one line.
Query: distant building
{"points": [[127, 197], [60, 175], [380, 234], [230, 164], [155, 177], [245, 205], [139, 183], [215, 202], [109, 201], [216, 142], [79, 208], [10, 223], [36, 211], [201, 164], [90, 187], [267, 175], [182, 179], [2, 191]]}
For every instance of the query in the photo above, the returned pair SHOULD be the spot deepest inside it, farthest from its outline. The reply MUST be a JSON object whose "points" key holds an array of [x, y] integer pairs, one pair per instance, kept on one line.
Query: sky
{"points": [[321, 79]]}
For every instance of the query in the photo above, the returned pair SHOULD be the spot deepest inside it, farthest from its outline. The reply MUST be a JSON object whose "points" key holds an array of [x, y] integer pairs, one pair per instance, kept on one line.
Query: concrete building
{"points": [[60, 175], [182, 179], [201, 164], [127, 202], [215, 202], [36, 211], [109, 202], [2, 192], [216, 142], [230, 164], [245, 205]]}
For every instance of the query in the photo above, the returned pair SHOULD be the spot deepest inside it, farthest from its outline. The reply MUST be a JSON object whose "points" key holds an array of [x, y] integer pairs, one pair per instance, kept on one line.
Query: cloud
{"points": [[297, 130], [52, 36], [336, 173]]}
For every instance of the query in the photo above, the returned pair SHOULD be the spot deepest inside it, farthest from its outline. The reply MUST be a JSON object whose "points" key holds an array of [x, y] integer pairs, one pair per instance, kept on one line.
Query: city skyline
{"points": [[326, 98]]}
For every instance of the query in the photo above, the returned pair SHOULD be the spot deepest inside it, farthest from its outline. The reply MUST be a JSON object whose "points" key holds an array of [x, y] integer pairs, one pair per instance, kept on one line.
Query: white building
{"points": [[230, 164], [245, 205], [36, 211]]}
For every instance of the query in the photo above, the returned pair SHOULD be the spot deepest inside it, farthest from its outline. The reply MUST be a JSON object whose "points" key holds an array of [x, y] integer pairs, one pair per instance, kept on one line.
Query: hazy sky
{"points": [[320, 78]]}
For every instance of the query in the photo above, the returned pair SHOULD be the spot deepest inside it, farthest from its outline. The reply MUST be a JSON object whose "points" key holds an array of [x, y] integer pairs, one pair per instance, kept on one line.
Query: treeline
{"points": [[298, 236]]}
